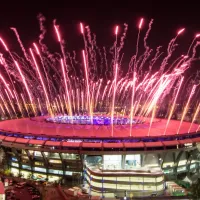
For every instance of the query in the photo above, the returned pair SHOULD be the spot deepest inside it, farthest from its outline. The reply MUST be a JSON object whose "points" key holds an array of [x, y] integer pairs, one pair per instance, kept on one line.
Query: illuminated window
{"points": [[15, 164], [55, 171], [70, 156], [112, 161], [25, 157], [26, 167], [14, 159], [23, 151], [25, 161], [46, 154], [133, 161], [68, 173], [39, 177], [31, 152], [37, 153], [55, 161], [54, 155], [39, 163], [15, 171], [180, 169], [40, 169]]}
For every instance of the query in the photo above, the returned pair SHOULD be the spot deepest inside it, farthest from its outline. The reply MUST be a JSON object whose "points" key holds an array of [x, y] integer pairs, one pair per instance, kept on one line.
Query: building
{"points": [[2, 191], [137, 165]]}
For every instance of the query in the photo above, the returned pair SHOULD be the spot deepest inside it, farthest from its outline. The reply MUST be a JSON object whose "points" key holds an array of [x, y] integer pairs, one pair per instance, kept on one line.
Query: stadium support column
{"points": [[84, 164], [174, 157], [30, 159], [102, 180], [63, 166], [141, 159], [90, 184], [156, 184], [102, 189], [123, 161], [116, 184], [143, 185], [84, 175], [160, 160], [18, 156], [163, 159], [102, 162], [192, 173], [46, 164], [177, 162], [130, 184], [7, 158]]}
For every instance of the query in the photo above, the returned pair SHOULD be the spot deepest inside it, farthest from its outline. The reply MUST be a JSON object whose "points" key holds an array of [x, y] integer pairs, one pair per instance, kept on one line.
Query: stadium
{"points": [[84, 153], [91, 118]]}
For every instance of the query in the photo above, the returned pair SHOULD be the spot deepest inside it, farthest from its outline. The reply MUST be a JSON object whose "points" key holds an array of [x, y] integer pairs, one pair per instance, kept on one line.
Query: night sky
{"points": [[102, 17]]}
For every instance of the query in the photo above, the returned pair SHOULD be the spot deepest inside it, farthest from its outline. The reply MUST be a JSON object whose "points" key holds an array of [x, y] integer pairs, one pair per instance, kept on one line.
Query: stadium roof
{"points": [[39, 126]]}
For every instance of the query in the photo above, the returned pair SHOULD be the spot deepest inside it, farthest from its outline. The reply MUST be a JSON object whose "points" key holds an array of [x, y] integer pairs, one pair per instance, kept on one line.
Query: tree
{"points": [[20, 175], [29, 175], [195, 190], [7, 172]]}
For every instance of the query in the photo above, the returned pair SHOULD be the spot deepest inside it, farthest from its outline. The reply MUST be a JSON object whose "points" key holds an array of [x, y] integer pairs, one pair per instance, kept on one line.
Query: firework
{"points": [[98, 90]]}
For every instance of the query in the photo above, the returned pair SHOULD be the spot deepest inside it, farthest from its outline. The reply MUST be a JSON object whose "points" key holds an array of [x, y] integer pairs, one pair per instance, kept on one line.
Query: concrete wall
{"points": [[168, 160], [150, 160]]}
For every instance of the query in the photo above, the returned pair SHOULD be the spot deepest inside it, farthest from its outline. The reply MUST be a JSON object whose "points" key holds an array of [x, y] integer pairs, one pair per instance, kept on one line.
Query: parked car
{"points": [[35, 197], [20, 185]]}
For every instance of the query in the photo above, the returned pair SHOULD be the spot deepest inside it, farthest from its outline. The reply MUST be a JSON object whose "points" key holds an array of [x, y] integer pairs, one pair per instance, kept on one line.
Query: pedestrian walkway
{"points": [[51, 193]]}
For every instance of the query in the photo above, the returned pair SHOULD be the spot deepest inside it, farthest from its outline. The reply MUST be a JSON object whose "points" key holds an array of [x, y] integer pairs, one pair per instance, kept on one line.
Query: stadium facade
{"points": [[88, 154]]}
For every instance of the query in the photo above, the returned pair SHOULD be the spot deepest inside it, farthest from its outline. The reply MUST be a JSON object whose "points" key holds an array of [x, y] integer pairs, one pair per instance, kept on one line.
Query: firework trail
{"points": [[2, 109], [147, 35], [5, 104], [114, 95], [123, 37], [44, 48], [194, 117], [134, 77], [194, 49], [186, 107], [13, 108], [173, 105], [196, 36], [61, 84], [106, 62], [43, 65], [20, 43], [41, 79], [66, 88], [18, 103]]}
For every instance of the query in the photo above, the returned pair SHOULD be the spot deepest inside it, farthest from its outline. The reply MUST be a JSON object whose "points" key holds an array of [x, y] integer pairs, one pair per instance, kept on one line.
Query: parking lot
{"points": [[22, 191]]}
